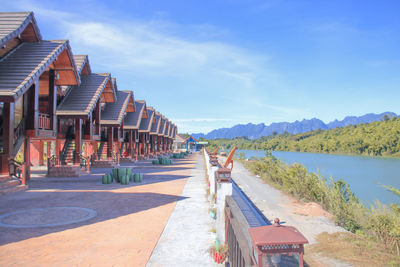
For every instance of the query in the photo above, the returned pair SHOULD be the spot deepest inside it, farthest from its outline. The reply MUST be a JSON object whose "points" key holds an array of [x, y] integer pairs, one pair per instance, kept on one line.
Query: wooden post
{"points": [[27, 158], [78, 140], [58, 148], [52, 101], [130, 144], [301, 259], [110, 142], [8, 136], [41, 153]]}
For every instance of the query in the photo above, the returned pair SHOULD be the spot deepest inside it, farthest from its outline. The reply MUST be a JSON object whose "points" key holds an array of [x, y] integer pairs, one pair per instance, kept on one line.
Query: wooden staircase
{"points": [[102, 151], [67, 157]]}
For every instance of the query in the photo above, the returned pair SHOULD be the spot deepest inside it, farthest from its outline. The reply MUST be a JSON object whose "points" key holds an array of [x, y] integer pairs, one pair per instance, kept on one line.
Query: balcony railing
{"points": [[44, 121]]}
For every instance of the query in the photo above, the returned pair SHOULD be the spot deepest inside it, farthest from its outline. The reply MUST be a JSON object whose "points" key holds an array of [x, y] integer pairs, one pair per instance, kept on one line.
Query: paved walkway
{"points": [[127, 222], [187, 237]]}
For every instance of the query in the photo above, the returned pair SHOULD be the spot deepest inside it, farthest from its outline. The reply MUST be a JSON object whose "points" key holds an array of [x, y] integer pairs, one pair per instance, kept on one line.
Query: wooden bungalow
{"points": [[131, 129], [31, 73], [166, 136], [144, 133], [112, 125], [79, 113], [154, 147], [160, 137]]}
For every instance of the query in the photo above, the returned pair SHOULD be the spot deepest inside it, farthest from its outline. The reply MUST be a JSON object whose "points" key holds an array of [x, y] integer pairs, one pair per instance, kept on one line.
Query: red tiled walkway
{"points": [[129, 221]]}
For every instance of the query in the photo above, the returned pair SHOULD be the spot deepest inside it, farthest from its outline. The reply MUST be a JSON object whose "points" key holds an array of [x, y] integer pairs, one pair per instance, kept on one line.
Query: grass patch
{"points": [[352, 249]]}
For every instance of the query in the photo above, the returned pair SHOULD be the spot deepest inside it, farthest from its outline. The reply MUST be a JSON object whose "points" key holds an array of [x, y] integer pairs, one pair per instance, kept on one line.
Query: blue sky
{"points": [[211, 64]]}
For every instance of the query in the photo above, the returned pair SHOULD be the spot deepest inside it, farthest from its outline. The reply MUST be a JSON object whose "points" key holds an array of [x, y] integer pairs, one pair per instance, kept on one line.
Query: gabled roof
{"points": [[133, 119], [13, 24], [155, 126], [145, 124], [82, 61], [179, 139], [21, 67], [276, 235], [166, 128], [114, 113], [170, 130], [191, 139], [162, 125], [81, 100]]}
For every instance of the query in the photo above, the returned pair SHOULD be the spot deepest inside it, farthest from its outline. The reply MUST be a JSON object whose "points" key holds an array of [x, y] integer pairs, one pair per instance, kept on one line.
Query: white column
{"points": [[223, 189]]}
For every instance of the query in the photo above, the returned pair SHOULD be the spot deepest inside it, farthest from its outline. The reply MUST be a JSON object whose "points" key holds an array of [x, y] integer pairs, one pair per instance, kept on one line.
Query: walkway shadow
{"points": [[93, 182], [109, 206]]}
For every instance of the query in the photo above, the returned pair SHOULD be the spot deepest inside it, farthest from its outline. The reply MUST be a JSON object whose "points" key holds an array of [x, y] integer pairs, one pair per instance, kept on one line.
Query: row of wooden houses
{"points": [[55, 111]]}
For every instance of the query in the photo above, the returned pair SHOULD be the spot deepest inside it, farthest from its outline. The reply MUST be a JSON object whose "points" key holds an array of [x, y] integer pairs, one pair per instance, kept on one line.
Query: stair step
{"points": [[9, 183], [13, 189]]}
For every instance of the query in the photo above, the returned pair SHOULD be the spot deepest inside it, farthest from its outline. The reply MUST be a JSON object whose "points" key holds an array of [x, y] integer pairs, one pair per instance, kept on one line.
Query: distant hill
{"points": [[254, 131]]}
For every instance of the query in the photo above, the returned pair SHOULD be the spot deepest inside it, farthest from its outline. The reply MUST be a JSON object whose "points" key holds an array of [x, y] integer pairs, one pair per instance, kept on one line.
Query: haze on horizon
{"points": [[213, 64]]}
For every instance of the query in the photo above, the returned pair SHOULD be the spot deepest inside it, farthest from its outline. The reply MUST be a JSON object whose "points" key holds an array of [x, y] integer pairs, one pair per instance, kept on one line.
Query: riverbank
{"points": [[313, 221], [329, 153]]}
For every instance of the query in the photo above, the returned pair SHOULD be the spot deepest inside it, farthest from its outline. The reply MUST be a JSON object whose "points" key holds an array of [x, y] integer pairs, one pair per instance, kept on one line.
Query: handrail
{"points": [[15, 169], [19, 131], [84, 161], [51, 162]]}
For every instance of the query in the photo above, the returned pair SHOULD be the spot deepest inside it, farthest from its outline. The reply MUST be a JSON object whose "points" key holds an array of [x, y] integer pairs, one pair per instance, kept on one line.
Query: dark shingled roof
{"points": [[21, 67], [13, 24], [81, 61], [170, 130], [174, 132], [81, 100], [166, 129], [156, 125], [132, 119], [113, 113], [145, 124], [162, 125]]}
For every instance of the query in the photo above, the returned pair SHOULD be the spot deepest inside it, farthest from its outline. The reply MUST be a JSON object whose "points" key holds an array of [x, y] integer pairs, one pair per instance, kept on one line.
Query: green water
{"points": [[365, 175]]}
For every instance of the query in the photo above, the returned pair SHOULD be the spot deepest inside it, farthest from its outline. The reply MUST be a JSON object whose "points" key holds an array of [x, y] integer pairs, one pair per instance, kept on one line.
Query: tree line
{"points": [[380, 138]]}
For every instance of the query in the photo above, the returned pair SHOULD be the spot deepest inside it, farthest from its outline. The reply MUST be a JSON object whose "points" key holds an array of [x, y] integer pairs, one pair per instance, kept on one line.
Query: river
{"points": [[364, 174]]}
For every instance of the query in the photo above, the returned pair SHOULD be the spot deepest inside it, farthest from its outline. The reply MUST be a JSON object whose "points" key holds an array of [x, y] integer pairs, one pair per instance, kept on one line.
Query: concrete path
{"points": [[187, 237], [61, 230]]}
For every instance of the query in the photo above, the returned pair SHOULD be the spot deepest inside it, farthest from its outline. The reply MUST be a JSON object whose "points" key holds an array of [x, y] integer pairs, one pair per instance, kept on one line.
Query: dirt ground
{"points": [[128, 224]]}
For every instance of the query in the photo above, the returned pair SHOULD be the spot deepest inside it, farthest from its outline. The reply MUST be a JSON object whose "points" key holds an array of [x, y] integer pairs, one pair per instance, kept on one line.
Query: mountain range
{"points": [[254, 131]]}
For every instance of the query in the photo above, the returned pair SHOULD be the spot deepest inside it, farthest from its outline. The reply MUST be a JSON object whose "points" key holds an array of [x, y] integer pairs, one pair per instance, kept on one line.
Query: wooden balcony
{"points": [[44, 121]]}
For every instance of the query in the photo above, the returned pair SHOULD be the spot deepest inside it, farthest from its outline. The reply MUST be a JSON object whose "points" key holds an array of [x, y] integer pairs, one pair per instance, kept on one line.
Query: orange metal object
{"points": [[229, 159], [216, 150]]}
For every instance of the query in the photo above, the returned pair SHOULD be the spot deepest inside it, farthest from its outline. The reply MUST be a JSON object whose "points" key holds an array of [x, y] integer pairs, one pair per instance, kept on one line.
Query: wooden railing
{"points": [[16, 169], [84, 162], [19, 131], [44, 121]]}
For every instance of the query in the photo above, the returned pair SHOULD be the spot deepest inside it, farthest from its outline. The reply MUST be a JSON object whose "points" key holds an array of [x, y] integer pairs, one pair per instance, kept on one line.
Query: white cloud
{"points": [[180, 59]]}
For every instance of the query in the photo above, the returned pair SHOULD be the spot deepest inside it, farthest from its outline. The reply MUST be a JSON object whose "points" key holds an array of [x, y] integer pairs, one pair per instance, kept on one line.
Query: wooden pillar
{"points": [[27, 159], [301, 263], [41, 153], [8, 135], [130, 144], [58, 148], [33, 107], [52, 101], [48, 149], [78, 140], [97, 113], [110, 142]]}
